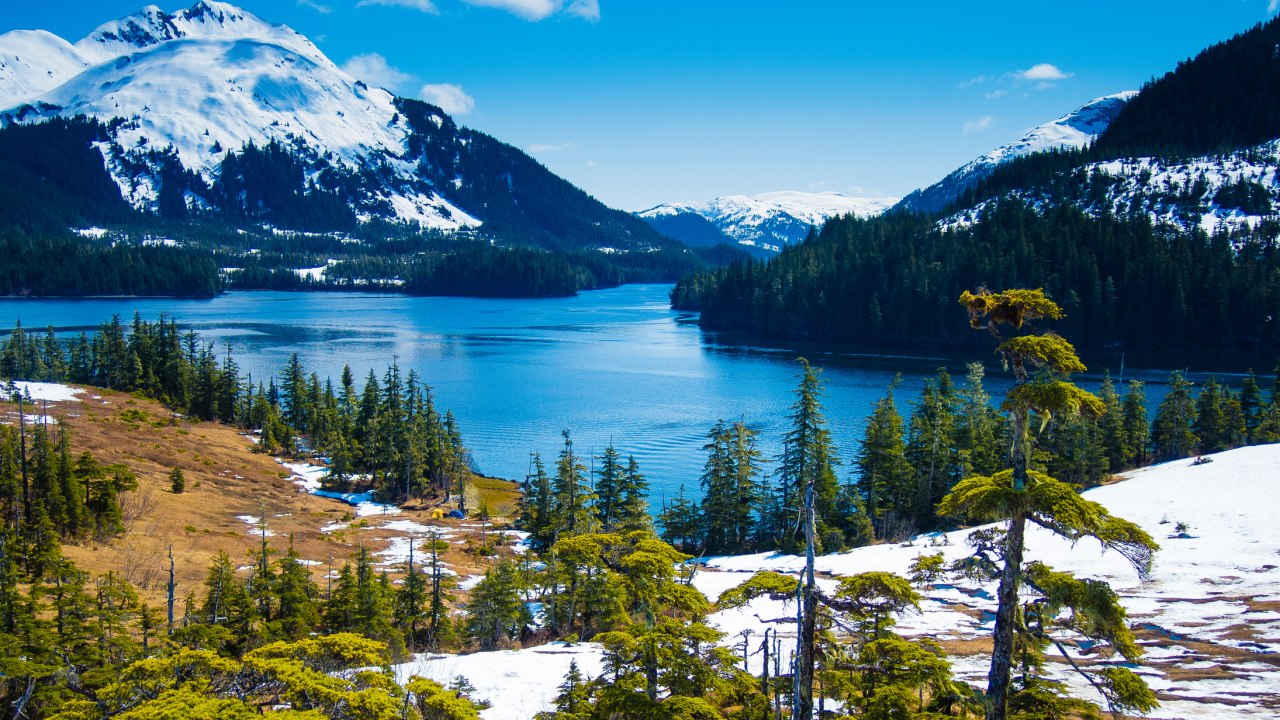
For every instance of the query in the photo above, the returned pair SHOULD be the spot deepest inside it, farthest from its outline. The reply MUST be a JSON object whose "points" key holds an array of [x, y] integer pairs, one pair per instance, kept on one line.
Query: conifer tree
{"points": [[885, 477], [931, 447], [608, 489], [297, 614], [573, 511], [496, 614], [1136, 429], [177, 481], [633, 513], [1171, 433], [1021, 495], [808, 460]]}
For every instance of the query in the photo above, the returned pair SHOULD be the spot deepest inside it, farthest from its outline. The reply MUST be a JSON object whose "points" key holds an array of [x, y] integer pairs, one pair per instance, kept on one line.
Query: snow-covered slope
{"points": [[1073, 130], [1221, 193], [768, 220], [209, 80], [1212, 603], [35, 61], [206, 20]]}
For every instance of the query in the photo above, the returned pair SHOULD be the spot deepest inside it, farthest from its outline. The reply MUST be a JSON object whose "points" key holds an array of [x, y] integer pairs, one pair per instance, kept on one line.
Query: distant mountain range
{"points": [[212, 112], [762, 223]]}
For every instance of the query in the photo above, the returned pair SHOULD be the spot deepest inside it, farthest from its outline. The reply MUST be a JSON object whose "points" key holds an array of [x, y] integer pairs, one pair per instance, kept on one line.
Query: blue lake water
{"points": [[610, 366]]}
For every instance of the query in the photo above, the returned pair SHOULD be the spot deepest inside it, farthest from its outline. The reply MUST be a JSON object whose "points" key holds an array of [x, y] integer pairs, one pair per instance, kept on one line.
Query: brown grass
{"points": [[224, 478]]}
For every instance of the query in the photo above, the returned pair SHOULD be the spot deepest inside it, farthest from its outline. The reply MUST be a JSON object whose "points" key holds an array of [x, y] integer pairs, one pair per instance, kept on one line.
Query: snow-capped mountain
{"points": [[181, 95], [1073, 130], [767, 221]]}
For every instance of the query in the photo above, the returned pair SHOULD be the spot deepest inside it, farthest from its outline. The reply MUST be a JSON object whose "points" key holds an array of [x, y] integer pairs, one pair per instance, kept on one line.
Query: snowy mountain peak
{"points": [[766, 221], [205, 20], [1074, 130], [33, 62]]}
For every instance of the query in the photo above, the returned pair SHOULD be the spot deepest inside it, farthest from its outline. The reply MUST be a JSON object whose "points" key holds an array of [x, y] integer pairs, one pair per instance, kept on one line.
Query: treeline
{"points": [[386, 434], [1122, 282], [66, 266], [1222, 100], [474, 268], [909, 459]]}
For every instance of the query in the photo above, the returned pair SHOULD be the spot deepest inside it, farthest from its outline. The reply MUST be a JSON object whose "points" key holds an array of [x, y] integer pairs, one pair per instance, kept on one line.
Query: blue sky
{"points": [[646, 101]]}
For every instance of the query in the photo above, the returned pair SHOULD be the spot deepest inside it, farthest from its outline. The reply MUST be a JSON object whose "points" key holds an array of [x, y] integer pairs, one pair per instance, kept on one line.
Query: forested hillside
{"points": [[1122, 282], [1148, 238]]}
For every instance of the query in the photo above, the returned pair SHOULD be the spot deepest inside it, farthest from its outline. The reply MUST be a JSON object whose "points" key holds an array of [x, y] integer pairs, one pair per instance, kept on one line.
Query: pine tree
{"points": [[633, 513], [1020, 494], [681, 523], [1171, 433], [885, 478], [537, 505], [495, 613], [808, 460], [177, 481], [573, 510], [1136, 429], [608, 488], [931, 447], [296, 615], [1111, 427]]}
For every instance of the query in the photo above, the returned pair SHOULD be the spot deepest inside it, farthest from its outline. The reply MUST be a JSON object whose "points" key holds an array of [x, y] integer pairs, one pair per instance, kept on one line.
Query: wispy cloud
{"points": [[1044, 72], [982, 79], [528, 9], [448, 97], [535, 10], [590, 9], [1273, 6], [374, 69], [996, 94], [979, 124], [425, 6], [537, 148], [318, 7]]}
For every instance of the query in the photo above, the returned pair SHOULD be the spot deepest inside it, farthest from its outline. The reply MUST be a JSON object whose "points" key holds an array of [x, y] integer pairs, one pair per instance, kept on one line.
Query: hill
{"points": [[1209, 619], [1173, 250], [231, 493]]}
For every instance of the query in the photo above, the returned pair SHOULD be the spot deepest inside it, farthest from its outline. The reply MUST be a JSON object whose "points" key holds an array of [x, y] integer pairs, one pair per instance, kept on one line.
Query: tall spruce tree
{"points": [[1021, 495], [1171, 433], [885, 478]]}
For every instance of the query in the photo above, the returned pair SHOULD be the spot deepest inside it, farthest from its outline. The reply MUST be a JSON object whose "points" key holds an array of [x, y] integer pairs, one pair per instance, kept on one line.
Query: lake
{"points": [[610, 366]]}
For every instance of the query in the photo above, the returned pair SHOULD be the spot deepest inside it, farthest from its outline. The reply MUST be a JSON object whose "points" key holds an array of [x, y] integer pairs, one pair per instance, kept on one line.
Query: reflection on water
{"points": [[611, 366]]}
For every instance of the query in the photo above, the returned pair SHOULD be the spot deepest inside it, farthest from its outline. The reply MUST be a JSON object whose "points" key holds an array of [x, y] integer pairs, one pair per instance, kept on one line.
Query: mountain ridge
{"points": [[765, 222]]}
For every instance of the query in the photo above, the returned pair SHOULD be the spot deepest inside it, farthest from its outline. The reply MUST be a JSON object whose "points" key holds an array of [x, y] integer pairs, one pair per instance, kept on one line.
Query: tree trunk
{"points": [[803, 709], [1006, 621]]}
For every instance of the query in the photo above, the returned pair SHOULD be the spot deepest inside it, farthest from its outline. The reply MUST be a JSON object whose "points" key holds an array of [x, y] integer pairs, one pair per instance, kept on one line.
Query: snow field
{"points": [[1195, 608]]}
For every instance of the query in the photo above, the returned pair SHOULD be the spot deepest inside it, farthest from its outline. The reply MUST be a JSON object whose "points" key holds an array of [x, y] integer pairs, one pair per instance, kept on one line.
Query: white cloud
{"points": [[528, 9], [536, 148], [590, 9], [448, 97], [1044, 72], [996, 94], [592, 163], [979, 124], [1273, 6], [318, 7], [373, 69], [425, 6], [981, 79], [535, 10]]}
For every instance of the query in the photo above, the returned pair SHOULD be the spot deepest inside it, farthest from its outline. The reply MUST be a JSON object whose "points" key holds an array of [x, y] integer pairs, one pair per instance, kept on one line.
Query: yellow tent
{"points": [[436, 513]]}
